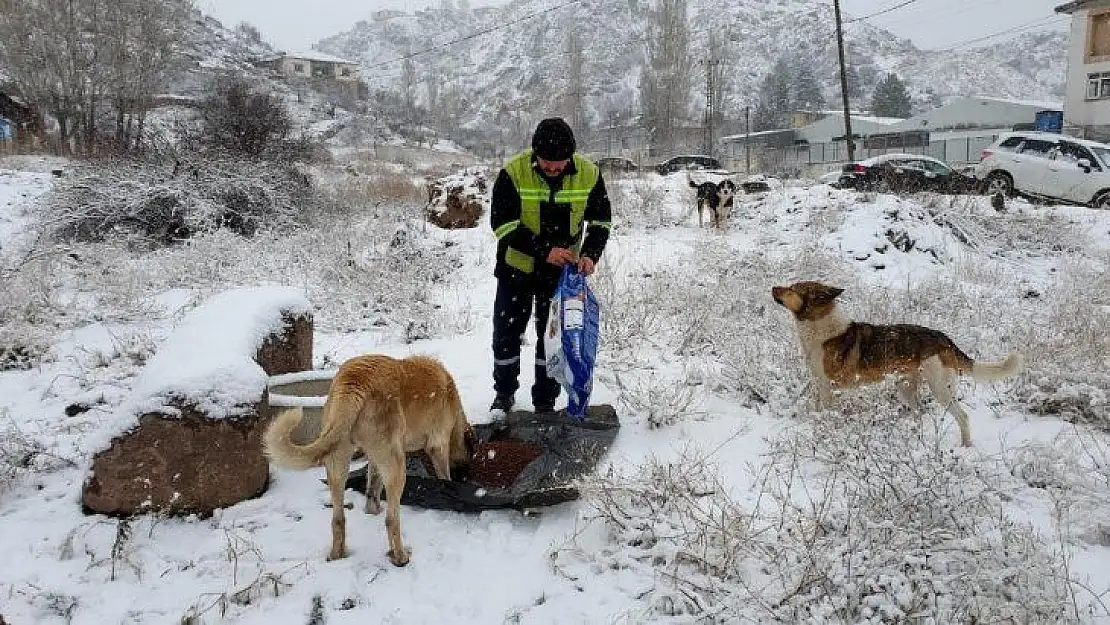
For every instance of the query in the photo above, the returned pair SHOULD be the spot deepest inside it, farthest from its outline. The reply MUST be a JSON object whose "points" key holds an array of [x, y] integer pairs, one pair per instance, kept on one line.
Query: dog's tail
{"points": [[989, 371], [338, 418]]}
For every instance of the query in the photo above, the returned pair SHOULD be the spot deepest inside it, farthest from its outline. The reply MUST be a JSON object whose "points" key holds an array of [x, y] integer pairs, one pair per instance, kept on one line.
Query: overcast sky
{"points": [[296, 24]]}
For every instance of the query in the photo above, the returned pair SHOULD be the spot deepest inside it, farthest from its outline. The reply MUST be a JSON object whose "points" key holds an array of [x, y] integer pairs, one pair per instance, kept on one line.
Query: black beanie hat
{"points": [[553, 140]]}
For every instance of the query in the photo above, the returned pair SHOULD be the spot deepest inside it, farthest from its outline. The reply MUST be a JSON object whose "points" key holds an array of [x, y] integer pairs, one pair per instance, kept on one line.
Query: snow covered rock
{"points": [[189, 439], [458, 201]]}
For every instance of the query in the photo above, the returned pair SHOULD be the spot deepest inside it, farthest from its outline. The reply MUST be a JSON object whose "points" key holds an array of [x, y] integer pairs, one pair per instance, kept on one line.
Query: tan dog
{"points": [[844, 353], [386, 407]]}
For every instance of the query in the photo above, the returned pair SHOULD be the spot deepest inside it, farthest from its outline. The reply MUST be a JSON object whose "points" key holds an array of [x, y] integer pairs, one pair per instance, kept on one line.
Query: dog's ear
{"points": [[826, 294]]}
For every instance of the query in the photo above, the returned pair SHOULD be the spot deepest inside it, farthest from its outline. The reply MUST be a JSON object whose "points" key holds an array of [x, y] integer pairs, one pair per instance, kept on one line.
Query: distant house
{"points": [[1087, 109], [312, 64], [22, 121]]}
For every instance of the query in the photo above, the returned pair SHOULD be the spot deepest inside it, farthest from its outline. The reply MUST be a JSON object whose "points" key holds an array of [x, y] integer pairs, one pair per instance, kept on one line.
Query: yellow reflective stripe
{"points": [[608, 225], [506, 228], [519, 260]]}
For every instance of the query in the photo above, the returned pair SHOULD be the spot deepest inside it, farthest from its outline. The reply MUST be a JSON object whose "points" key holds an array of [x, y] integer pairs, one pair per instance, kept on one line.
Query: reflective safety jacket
{"points": [[531, 213]]}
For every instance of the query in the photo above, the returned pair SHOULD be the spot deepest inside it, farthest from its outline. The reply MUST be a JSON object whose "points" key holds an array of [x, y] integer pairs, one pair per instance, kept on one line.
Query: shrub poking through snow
{"points": [[168, 203], [859, 517]]}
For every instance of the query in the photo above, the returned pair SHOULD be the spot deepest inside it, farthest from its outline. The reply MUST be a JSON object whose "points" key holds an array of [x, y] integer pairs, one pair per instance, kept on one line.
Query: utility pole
{"points": [[844, 83], [710, 113], [748, 139]]}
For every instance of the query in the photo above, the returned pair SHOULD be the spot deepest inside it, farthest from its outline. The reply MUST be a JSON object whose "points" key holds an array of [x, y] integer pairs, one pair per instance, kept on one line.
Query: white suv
{"points": [[1048, 165]]}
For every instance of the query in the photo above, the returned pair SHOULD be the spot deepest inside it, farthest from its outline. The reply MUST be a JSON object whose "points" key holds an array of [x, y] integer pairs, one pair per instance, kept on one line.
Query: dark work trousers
{"points": [[512, 309]]}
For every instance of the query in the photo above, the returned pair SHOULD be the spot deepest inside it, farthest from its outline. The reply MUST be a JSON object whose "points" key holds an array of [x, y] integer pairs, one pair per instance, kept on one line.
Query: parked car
{"points": [[1048, 165], [831, 178], [616, 163], [760, 183], [906, 173], [689, 161]]}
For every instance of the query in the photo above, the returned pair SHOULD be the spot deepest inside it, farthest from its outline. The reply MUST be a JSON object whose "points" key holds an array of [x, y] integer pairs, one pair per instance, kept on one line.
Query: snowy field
{"points": [[726, 497]]}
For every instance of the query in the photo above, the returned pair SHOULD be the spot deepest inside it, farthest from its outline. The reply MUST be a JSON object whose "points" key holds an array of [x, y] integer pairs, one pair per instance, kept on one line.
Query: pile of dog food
{"points": [[496, 464]]}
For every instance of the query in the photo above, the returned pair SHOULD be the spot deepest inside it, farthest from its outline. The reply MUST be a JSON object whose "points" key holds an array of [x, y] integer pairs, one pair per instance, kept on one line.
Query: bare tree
{"points": [[142, 40], [718, 68], [666, 81], [574, 98], [79, 59], [408, 82], [244, 121], [50, 62], [431, 85]]}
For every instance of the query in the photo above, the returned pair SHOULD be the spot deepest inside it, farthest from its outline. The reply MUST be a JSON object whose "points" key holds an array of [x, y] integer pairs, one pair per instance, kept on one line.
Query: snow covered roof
{"points": [[762, 133], [208, 359], [1041, 104], [886, 121], [1075, 5], [313, 55]]}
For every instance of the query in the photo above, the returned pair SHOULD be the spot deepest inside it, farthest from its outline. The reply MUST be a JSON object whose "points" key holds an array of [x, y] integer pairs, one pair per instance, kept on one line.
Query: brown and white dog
{"points": [[718, 197], [844, 353], [386, 407]]}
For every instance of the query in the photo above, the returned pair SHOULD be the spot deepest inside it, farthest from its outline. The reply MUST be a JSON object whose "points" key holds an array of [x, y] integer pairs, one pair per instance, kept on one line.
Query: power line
{"points": [[948, 11], [861, 18], [1043, 21], [484, 31]]}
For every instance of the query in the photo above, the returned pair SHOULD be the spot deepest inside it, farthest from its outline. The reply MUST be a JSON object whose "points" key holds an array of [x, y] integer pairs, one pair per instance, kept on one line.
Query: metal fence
{"points": [[796, 158]]}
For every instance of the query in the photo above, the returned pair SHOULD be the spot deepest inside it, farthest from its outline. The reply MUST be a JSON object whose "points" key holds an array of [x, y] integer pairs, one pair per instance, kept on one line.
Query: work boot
{"points": [[503, 403]]}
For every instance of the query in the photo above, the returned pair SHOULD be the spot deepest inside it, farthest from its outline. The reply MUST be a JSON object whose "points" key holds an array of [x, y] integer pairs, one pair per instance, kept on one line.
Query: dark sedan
{"points": [[906, 173], [616, 164], [688, 161]]}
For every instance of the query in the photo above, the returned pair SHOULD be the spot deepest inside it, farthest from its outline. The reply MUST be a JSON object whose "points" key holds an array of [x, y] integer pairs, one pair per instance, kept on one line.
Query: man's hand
{"points": [[560, 256], [585, 265]]}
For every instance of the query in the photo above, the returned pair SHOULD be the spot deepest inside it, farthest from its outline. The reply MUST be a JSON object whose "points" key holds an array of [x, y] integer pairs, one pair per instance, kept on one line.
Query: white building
{"points": [[830, 127], [1087, 110], [977, 112], [313, 64]]}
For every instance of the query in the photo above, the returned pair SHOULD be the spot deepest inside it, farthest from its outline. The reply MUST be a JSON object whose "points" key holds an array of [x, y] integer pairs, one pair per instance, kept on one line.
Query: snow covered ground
{"points": [[725, 498]]}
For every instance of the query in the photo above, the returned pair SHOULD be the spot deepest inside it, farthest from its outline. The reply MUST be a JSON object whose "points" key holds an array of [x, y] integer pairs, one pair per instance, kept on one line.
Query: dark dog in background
{"points": [[718, 197]]}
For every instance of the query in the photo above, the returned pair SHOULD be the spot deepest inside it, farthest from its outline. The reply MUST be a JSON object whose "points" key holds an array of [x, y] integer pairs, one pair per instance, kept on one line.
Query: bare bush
{"points": [[244, 121], [660, 401], [1076, 398], [893, 525], [246, 562], [858, 517], [635, 313], [368, 191], [166, 204], [640, 201], [22, 454], [1026, 231], [676, 520]]}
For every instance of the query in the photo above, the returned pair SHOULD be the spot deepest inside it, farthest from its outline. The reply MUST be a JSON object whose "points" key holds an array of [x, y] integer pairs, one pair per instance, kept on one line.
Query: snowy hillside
{"points": [[725, 498], [519, 70]]}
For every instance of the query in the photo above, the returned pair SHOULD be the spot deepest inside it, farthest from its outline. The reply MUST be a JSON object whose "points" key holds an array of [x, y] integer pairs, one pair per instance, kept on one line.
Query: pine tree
{"points": [[775, 101], [855, 91], [891, 99], [807, 91]]}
